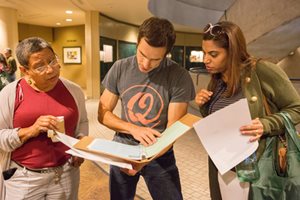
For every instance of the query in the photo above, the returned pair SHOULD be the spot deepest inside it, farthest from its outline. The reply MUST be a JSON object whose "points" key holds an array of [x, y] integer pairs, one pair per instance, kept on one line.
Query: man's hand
{"points": [[76, 161], [135, 170], [145, 135], [129, 172]]}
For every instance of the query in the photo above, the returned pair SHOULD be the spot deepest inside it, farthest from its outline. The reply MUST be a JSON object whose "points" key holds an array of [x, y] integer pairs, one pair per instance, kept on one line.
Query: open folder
{"points": [[138, 155]]}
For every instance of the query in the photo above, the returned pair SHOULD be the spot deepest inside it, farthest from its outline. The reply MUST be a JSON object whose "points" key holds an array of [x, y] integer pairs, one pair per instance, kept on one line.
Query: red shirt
{"points": [[40, 151]]}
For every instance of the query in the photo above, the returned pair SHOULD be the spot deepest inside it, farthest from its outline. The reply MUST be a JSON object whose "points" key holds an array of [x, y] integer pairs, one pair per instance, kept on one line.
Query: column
{"points": [[92, 38], [8, 29]]}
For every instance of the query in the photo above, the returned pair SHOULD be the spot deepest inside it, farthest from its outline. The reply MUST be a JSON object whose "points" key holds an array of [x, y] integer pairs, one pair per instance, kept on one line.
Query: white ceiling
{"points": [[187, 16], [50, 12], [45, 12]]}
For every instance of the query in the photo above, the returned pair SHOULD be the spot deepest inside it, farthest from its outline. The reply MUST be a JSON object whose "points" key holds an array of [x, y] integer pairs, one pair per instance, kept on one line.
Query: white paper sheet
{"points": [[116, 148], [70, 142], [221, 138]]}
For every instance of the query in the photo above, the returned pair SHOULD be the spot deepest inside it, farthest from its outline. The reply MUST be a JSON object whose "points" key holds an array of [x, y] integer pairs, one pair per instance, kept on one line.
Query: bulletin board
{"points": [[126, 49]]}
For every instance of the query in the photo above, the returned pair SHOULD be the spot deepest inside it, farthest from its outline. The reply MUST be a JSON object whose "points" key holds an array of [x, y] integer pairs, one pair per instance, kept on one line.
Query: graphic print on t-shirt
{"points": [[144, 105]]}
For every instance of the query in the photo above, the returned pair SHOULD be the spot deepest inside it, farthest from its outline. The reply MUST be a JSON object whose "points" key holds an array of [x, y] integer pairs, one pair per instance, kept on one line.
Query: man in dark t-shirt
{"points": [[154, 93]]}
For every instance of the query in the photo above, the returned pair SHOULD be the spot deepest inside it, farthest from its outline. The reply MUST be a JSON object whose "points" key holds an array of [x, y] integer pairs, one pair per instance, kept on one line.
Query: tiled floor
{"points": [[190, 155]]}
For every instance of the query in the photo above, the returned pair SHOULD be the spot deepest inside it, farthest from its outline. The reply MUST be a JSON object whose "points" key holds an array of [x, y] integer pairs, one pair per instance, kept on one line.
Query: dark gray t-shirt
{"points": [[145, 96]]}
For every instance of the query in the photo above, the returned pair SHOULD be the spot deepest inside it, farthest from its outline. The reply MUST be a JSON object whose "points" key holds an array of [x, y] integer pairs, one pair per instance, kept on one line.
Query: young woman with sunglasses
{"points": [[235, 75]]}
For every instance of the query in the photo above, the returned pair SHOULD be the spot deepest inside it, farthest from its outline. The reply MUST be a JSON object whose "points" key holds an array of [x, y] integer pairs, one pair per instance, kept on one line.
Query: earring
{"points": [[29, 81]]}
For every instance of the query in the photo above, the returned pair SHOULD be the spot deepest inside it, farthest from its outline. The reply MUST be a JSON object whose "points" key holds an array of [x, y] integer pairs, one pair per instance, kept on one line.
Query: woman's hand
{"points": [[255, 129], [42, 124], [202, 97]]}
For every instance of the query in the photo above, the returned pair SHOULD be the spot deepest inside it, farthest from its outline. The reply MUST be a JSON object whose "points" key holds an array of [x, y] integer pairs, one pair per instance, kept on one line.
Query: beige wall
{"points": [[119, 31], [28, 30], [188, 39], [71, 37]]}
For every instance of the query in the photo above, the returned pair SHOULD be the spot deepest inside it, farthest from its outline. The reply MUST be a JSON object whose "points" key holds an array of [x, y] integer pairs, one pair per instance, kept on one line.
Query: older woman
{"points": [[34, 166]]}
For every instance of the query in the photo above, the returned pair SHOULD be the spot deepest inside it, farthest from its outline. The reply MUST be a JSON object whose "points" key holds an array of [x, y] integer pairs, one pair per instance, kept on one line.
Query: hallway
{"points": [[190, 155]]}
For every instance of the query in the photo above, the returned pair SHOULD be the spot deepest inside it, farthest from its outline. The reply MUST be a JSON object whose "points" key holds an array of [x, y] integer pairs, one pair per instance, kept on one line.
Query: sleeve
{"points": [[182, 89], [9, 138], [281, 96], [83, 125], [110, 81]]}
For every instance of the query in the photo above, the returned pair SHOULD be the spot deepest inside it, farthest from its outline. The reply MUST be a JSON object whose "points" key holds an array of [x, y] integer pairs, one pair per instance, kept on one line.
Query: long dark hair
{"points": [[231, 38]]}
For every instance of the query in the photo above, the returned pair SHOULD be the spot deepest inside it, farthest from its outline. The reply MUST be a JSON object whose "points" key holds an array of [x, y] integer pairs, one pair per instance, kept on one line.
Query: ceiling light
{"points": [[69, 11], [69, 20], [291, 53], [58, 24]]}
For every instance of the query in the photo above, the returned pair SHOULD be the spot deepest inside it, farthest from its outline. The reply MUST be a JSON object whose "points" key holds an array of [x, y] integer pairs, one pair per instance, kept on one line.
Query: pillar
{"points": [[8, 30], [92, 45]]}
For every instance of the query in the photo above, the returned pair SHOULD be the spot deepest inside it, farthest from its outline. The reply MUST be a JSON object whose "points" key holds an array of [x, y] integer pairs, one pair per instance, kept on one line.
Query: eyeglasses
{"points": [[53, 63], [214, 30]]}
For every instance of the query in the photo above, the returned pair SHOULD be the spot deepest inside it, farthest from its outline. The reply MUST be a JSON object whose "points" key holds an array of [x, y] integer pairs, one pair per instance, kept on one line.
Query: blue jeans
{"points": [[161, 177]]}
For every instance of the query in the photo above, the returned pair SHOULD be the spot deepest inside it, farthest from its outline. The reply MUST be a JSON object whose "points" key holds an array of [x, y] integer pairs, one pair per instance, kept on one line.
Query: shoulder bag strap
{"points": [[266, 105], [290, 128]]}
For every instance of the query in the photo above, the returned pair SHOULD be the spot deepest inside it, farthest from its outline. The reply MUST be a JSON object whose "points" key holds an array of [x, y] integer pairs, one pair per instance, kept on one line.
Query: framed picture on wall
{"points": [[72, 55]]}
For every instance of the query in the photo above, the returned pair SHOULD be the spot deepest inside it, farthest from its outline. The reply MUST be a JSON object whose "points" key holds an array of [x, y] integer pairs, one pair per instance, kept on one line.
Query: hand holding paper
{"points": [[221, 137], [60, 128], [133, 154]]}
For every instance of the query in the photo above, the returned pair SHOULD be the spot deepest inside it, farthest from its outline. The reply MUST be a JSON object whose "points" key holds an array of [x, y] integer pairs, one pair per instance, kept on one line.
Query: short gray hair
{"points": [[29, 46]]}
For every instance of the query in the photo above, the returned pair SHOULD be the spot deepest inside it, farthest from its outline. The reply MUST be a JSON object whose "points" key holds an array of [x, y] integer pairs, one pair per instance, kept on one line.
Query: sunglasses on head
{"points": [[214, 30]]}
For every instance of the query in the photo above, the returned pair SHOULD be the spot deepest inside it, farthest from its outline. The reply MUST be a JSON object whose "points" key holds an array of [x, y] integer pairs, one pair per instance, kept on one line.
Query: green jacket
{"points": [[269, 80]]}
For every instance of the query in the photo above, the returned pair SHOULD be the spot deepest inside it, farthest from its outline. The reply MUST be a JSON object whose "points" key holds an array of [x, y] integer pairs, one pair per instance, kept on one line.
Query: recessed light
{"points": [[58, 24], [291, 53], [69, 11], [69, 20]]}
